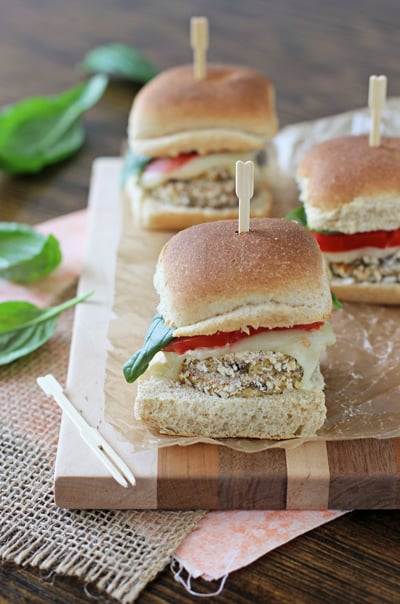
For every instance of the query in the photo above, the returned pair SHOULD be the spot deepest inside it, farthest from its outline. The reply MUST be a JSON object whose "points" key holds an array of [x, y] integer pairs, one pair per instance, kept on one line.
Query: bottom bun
{"points": [[151, 214], [367, 293], [171, 408]]}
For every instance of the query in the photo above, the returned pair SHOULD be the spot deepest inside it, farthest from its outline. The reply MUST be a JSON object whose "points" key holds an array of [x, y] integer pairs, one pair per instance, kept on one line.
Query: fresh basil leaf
{"points": [[158, 335], [298, 215], [24, 327], [336, 303], [120, 61], [26, 254], [133, 165], [39, 131]]}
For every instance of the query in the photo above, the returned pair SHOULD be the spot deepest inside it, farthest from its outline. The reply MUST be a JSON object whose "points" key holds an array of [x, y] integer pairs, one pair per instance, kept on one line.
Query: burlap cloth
{"points": [[117, 551]]}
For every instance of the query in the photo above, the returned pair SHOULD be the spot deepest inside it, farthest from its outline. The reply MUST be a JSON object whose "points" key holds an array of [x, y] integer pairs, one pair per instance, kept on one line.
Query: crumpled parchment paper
{"points": [[361, 371]]}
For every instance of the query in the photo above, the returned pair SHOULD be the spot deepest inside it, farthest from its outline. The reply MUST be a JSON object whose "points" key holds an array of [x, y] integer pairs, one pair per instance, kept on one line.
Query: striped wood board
{"points": [[317, 475]]}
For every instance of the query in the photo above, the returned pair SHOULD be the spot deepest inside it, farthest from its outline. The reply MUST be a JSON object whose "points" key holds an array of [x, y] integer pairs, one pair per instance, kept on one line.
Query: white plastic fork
{"points": [[105, 453]]}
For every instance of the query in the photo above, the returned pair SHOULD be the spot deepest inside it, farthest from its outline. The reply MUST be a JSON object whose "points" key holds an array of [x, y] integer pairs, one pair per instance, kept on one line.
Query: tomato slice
{"points": [[221, 338], [169, 164], [340, 242]]}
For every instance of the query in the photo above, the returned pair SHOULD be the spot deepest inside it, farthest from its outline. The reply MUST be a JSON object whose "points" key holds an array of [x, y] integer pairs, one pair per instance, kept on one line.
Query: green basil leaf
{"points": [[133, 165], [26, 254], [298, 215], [24, 327], [158, 335], [121, 61], [336, 303], [39, 131]]}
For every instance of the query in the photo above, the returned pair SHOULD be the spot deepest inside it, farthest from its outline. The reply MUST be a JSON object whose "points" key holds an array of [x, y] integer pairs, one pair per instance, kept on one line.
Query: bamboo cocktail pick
{"points": [[199, 44], [106, 454], [244, 191], [376, 102]]}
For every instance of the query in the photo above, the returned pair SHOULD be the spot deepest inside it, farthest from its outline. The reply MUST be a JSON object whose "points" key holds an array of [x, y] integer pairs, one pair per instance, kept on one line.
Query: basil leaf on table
{"points": [[133, 165], [24, 327], [119, 60], [26, 254], [158, 335], [39, 131]]}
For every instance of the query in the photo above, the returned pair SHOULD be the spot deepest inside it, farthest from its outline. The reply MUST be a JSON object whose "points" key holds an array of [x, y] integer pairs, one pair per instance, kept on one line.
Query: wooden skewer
{"points": [[244, 191], [199, 44], [106, 454], [376, 102]]}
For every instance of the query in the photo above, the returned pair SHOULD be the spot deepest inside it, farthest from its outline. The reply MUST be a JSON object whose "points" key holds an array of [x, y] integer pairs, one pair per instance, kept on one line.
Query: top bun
{"points": [[211, 278], [232, 109], [348, 186]]}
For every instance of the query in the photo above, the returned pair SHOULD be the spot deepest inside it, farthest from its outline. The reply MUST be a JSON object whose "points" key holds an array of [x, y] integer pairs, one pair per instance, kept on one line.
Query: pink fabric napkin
{"points": [[70, 230], [224, 541]]}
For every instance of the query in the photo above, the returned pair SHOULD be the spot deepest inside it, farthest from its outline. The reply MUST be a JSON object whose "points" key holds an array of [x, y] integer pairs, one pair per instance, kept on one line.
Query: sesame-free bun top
{"points": [[232, 108], [350, 187], [211, 278]]}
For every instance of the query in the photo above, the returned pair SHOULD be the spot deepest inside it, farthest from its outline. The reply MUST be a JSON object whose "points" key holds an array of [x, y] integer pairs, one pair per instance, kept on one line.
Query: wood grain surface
{"points": [[354, 474], [319, 54]]}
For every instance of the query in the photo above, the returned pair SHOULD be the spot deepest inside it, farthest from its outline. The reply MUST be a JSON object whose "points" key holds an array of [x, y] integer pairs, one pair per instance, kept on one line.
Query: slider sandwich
{"points": [[184, 138], [351, 197], [243, 321]]}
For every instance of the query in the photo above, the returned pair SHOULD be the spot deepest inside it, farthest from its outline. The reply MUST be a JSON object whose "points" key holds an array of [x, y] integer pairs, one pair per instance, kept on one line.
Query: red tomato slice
{"points": [[169, 164], [221, 338], [339, 242]]}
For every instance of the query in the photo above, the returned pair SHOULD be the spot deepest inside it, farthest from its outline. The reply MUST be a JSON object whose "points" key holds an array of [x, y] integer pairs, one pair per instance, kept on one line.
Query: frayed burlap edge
{"points": [[119, 552]]}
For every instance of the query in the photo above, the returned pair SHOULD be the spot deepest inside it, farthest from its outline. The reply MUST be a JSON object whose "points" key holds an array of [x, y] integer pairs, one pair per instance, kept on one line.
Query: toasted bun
{"points": [[149, 213], [211, 278], [367, 293], [179, 409], [342, 169], [233, 108], [348, 186]]}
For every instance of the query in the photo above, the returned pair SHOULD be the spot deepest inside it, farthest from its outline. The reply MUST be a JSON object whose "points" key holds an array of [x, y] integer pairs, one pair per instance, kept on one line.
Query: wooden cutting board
{"points": [[346, 474]]}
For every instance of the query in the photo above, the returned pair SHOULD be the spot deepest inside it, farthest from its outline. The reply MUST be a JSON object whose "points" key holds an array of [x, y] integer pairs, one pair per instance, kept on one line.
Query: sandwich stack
{"points": [[350, 188], [187, 128], [243, 321]]}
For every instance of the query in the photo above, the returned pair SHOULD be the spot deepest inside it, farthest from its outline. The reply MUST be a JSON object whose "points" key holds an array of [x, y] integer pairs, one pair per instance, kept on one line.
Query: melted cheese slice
{"points": [[306, 347], [196, 166], [347, 257]]}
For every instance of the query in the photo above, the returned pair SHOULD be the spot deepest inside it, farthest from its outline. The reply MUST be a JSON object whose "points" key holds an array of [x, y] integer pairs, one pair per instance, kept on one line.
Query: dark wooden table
{"points": [[319, 54]]}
